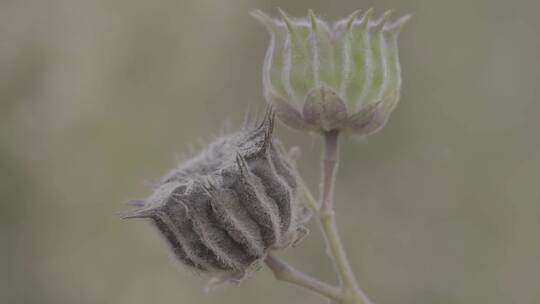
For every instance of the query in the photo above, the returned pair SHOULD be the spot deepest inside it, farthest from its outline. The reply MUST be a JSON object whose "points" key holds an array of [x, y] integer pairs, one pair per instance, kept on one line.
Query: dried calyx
{"points": [[224, 210]]}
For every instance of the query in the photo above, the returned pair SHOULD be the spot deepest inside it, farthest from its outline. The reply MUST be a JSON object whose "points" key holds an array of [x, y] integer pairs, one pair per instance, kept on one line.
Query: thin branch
{"points": [[284, 272], [328, 221], [329, 169]]}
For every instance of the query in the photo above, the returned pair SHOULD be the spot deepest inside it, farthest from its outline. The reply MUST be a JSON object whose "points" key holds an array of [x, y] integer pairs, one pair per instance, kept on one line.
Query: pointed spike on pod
{"points": [[350, 20], [366, 18], [346, 24], [266, 118], [268, 136], [313, 19], [262, 121], [287, 20], [378, 25], [137, 213], [396, 26], [268, 124], [268, 22], [136, 203], [271, 120]]}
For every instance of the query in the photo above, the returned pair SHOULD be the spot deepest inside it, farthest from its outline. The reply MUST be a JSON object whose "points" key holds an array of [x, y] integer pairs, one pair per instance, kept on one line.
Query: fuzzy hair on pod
{"points": [[222, 211]]}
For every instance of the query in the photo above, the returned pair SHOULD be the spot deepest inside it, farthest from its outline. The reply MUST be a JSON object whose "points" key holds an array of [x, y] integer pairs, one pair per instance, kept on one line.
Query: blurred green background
{"points": [[97, 98]]}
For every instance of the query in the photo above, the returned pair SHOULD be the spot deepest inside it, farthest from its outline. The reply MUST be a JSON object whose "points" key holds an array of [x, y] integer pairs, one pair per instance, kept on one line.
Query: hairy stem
{"points": [[284, 272], [327, 216]]}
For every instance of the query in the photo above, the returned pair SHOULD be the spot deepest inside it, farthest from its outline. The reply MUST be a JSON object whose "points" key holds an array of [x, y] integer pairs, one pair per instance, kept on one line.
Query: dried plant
{"points": [[226, 210]]}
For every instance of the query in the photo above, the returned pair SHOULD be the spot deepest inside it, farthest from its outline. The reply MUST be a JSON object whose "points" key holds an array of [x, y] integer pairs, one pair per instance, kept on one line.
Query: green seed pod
{"points": [[320, 77], [224, 210]]}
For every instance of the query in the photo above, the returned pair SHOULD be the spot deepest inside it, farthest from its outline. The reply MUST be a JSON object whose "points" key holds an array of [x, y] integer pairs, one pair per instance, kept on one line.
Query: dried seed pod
{"points": [[222, 211]]}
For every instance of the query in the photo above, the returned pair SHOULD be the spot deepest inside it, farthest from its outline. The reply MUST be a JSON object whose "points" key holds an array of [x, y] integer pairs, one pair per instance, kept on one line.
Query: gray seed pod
{"points": [[222, 211]]}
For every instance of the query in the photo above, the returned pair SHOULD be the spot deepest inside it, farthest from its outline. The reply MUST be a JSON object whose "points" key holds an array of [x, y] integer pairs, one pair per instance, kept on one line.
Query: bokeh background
{"points": [[97, 98]]}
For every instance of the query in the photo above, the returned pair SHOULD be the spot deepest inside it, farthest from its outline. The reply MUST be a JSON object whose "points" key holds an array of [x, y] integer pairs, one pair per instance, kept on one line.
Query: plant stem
{"points": [[349, 293], [353, 294], [284, 272]]}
